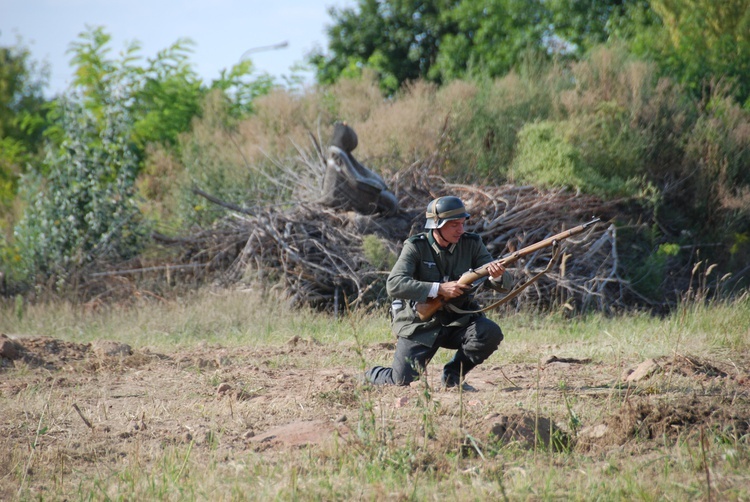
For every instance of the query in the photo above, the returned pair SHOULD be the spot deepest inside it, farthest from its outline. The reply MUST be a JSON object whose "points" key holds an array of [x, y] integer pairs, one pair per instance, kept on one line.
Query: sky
{"points": [[222, 30]]}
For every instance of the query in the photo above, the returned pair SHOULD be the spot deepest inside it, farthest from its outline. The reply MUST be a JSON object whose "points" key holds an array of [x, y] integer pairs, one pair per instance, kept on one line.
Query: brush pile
{"points": [[328, 259]]}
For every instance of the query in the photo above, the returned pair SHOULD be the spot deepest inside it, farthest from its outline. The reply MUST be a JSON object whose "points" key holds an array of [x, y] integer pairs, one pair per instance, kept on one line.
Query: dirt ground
{"points": [[71, 407]]}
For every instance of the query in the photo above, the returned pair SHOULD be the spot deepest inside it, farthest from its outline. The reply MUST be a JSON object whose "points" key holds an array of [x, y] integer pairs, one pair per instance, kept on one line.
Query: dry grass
{"points": [[231, 396]]}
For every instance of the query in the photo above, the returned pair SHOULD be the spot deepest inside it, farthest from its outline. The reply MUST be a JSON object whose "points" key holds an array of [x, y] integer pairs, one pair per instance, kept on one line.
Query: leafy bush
{"points": [[547, 158], [609, 144], [22, 123], [696, 41], [85, 209], [377, 253], [486, 126], [164, 95], [648, 277], [719, 150]]}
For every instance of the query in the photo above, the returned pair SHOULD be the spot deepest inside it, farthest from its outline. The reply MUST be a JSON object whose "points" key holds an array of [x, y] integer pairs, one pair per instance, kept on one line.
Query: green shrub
{"points": [[546, 159], [85, 209], [377, 253], [486, 123], [608, 143], [565, 155]]}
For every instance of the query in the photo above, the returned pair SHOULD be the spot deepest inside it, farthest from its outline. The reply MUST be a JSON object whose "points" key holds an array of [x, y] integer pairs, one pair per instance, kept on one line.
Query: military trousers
{"points": [[473, 345]]}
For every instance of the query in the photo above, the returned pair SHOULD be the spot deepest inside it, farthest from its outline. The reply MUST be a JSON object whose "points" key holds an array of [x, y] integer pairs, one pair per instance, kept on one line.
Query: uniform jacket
{"points": [[421, 263]]}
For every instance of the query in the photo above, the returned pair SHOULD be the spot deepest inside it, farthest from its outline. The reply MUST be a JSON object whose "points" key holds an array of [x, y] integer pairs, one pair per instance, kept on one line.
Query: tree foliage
{"points": [[22, 82], [22, 116], [698, 42], [439, 40], [162, 96], [397, 38], [164, 93], [85, 209], [694, 41], [491, 37], [580, 25]]}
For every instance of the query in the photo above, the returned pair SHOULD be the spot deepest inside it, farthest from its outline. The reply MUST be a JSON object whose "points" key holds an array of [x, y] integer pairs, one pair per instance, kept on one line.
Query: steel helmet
{"points": [[444, 209]]}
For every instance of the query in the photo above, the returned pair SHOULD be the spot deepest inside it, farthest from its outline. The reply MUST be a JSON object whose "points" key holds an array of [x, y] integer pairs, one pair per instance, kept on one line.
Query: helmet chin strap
{"points": [[441, 237]]}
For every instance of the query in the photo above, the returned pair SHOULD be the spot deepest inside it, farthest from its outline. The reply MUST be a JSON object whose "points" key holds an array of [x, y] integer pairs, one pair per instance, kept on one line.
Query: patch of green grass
{"points": [[228, 318]]}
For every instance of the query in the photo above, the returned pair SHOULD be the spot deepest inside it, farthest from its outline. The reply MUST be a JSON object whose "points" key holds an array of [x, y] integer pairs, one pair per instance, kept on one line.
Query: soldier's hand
{"points": [[452, 289], [495, 269]]}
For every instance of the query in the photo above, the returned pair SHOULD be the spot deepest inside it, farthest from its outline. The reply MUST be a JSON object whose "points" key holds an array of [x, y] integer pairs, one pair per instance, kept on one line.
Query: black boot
{"points": [[456, 370]]}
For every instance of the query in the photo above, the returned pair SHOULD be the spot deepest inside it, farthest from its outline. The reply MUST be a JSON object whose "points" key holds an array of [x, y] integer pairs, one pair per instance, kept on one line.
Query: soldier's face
{"points": [[453, 230]]}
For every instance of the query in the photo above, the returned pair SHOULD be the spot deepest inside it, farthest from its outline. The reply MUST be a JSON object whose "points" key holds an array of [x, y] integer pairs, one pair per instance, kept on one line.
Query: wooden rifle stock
{"points": [[428, 309]]}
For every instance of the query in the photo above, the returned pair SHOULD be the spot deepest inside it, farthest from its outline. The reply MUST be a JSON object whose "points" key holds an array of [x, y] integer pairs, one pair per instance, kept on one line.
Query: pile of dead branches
{"points": [[509, 218], [314, 255]]}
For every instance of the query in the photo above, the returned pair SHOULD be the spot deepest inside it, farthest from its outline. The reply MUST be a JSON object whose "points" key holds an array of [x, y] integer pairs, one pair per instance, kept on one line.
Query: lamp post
{"points": [[281, 45]]}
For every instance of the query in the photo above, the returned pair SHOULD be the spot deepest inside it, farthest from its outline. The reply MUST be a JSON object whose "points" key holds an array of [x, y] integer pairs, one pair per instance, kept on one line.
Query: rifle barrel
{"points": [[516, 255], [427, 309]]}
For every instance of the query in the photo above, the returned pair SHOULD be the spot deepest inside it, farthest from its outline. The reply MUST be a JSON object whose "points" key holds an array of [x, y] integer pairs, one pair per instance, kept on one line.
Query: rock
{"points": [[109, 348], [644, 370], [400, 402], [594, 431], [9, 349]]}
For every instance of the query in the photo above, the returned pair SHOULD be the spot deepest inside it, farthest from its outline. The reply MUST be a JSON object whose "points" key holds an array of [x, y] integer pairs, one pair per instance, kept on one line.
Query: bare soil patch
{"points": [[77, 406]]}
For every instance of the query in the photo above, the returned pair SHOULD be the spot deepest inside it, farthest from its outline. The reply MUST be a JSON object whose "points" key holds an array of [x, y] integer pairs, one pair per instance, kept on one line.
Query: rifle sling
{"points": [[517, 291]]}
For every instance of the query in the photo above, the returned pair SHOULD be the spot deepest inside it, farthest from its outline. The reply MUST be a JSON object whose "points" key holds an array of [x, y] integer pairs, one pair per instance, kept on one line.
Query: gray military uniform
{"points": [[474, 337]]}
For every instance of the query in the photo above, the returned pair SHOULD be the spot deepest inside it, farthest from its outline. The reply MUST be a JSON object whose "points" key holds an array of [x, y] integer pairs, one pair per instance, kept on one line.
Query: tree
{"points": [[397, 38], [440, 40], [240, 90], [699, 41], [163, 95], [491, 37], [582, 24], [22, 117]]}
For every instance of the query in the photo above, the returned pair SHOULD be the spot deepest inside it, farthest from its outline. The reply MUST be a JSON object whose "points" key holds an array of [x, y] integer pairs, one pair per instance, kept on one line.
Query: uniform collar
{"points": [[437, 247]]}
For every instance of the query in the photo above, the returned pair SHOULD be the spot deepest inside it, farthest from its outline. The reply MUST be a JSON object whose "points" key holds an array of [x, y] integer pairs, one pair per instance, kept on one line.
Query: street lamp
{"points": [[281, 45]]}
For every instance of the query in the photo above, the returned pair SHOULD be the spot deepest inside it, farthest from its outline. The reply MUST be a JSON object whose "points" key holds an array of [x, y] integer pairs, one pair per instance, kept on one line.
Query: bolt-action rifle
{"points": [[428, 309]]}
